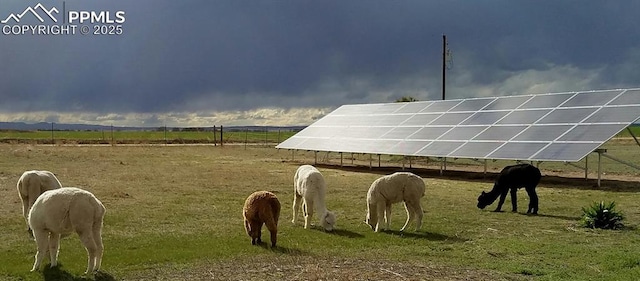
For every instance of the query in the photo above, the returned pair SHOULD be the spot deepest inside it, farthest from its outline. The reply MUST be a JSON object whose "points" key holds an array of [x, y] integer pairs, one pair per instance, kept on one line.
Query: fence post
{"points": [[214, 136], [221, 137], [165, 134]]}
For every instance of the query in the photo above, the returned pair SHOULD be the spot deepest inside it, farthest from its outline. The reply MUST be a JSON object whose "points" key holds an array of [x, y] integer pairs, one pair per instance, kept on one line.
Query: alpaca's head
{"points": [[329, 221], [371, 221], [484, 200]]}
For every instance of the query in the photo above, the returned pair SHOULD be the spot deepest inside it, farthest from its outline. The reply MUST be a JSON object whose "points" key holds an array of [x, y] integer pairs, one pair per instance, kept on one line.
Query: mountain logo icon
{"points": [[35, 11]]}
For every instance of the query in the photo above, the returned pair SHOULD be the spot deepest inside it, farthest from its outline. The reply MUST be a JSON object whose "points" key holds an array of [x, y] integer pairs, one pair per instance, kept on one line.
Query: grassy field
{"points": [[137, 137], [170, 136], [174, 213]]}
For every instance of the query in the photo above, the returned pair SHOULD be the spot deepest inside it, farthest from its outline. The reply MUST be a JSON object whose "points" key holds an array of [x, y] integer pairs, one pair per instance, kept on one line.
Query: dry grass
{"points": [[310, 268], [174, 213]]}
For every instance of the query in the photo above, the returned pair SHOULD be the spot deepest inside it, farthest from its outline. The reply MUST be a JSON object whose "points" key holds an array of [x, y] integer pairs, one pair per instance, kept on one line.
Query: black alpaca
{"points": [[512, 178]]}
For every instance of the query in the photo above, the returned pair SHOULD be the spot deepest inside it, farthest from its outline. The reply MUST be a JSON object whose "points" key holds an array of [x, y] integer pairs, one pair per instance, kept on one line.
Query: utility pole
{"points": [[444, 64]]}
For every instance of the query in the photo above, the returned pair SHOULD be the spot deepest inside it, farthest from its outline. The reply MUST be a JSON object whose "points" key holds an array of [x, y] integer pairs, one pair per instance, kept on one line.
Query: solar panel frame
{"points": [[536, 127]]}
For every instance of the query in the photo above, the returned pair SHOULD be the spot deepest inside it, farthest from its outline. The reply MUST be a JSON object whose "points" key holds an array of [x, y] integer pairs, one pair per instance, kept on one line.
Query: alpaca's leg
{"points": [[533, 200], [97, 236], [42, 239], [297, 201], [256, 228], [25, 212], [414, 213], [54, 248], [86, 237], [272, 226], [387, 216], [419, 215], [380, 208], [409, 208], [247, 228], [31, 201], [251, 228], [308, 211], [503, 196], [514, 200]]}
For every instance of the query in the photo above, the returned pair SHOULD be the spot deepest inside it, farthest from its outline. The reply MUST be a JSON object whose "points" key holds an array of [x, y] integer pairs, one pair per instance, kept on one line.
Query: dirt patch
{"points": [[309, 268]]}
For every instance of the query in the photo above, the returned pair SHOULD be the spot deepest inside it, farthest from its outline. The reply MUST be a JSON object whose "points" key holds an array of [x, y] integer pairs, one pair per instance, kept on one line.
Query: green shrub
{"points": [[602, 215]]}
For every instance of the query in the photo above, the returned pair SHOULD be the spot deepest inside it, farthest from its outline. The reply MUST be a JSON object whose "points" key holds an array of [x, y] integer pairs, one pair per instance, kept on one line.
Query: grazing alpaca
{"points": [[510, 179], [309, 189], [261, 207], [394, 188], [63, 211], [30, 185]]}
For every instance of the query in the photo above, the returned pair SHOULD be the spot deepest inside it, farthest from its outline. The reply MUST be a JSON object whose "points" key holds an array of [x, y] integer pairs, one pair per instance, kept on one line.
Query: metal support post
{"points": [[599, 164], [586, 167], [485, 167]]}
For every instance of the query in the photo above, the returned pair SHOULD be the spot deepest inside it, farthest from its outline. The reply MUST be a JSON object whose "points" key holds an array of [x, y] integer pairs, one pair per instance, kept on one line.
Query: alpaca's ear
{"points": [[483, 193]]}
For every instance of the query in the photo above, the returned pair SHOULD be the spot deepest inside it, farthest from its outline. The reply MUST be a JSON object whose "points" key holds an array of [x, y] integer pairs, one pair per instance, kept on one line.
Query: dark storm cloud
{"points": [[237, 55]]}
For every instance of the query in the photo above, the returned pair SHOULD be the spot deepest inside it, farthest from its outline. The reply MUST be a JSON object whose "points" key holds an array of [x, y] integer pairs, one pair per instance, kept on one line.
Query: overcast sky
{"points": [[277, 62]]}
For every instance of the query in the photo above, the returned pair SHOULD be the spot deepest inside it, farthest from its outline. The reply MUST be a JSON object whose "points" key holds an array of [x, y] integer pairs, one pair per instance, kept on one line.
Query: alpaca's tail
{"points": [[98, 215], [275, 208]]}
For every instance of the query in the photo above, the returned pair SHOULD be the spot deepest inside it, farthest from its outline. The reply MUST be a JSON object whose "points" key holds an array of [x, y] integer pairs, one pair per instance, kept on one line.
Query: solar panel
{"points": [[538, 127]]}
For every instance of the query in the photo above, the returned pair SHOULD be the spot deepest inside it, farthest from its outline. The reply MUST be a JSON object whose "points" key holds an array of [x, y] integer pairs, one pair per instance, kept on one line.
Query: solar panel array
{"points": [[540, 127]]}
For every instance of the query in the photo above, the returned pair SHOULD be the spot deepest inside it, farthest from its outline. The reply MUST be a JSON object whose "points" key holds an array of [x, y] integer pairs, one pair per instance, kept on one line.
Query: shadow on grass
{"points": [[58, 274], [340, 232], [425, 235], [553, 216], [281, 249], [346, 233]]}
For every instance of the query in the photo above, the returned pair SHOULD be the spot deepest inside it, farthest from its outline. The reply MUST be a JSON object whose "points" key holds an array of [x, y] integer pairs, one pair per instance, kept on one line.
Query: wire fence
{"points": [[219, 135]]}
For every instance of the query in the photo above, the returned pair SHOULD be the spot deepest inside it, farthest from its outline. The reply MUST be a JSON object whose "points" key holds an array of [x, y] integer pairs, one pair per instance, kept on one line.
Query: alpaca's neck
{"points": [[494, 193], [319, 204]]}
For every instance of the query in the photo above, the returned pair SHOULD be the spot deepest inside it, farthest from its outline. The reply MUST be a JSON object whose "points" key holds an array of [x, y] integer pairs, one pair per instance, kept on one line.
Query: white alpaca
{"points": [[394, 188], [309, 189], [63, 211], [31, 184]]}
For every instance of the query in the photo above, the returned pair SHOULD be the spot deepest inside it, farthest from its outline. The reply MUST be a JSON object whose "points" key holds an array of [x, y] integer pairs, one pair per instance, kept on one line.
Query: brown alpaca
{"points": [[261, 207]]}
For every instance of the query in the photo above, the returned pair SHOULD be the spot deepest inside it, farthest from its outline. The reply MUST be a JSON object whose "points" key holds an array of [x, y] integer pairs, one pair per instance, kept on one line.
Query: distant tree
{"points": [[406, 99]]}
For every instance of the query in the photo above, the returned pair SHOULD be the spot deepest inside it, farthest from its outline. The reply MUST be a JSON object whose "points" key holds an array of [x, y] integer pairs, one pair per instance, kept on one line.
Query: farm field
{"points": [[143, 137], [174, 213], [158, 136]]}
